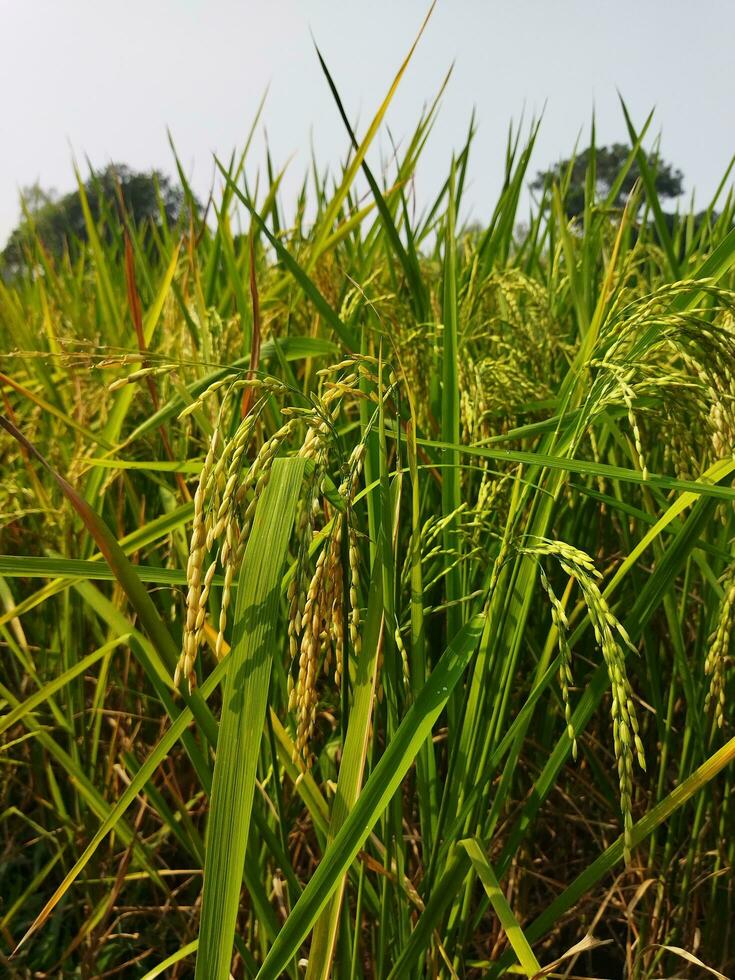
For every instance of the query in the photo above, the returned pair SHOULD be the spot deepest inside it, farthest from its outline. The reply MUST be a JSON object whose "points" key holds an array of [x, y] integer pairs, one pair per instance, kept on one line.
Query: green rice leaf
{"points": [[255, 644]]}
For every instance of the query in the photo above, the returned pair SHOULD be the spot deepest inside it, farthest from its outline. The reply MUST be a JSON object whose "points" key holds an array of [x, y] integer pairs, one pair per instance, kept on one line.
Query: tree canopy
{"points": [[609, 163], [145, 197]]}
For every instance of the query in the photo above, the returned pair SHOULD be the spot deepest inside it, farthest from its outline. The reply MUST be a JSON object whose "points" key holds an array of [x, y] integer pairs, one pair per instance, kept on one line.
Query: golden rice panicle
{"points": [[333, 590], [198, 403], [197, 547], [317, 622], [628, 396], [721, 413], [142, 374], [626, 738], [224, 505], [294, 631], [306, 692], [403, 654], [307, 616], [354, 617], [230, 386], [235, 515], [559, 619], [610, 636], [297, 597], [338, 636], [347, 490], [717, 654]]}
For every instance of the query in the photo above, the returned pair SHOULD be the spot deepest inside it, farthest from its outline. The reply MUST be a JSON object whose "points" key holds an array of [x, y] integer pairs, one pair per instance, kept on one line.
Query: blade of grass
{"points": [[528, 962], [243, 715]]}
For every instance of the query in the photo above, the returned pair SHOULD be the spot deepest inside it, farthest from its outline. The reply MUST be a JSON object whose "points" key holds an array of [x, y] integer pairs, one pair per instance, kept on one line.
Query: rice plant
{"points": [[366, 586]]}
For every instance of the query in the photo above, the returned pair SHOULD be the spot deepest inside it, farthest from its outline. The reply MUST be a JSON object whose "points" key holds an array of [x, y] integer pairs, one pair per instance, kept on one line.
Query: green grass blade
{"points": [[529, 963], [649, 180], [350, 172], [257, 613], [451, 496]]}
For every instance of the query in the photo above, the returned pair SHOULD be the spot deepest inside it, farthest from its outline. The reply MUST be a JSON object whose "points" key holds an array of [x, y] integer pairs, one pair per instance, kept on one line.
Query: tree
{"points": [[609, 162], [58, 222]]}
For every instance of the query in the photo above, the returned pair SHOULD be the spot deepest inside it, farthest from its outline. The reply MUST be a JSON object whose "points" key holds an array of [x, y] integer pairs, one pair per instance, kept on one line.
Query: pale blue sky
{"points": [[106, 78]]}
